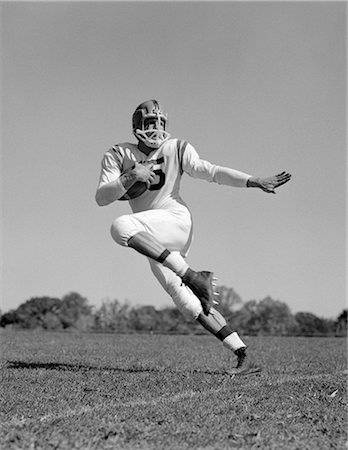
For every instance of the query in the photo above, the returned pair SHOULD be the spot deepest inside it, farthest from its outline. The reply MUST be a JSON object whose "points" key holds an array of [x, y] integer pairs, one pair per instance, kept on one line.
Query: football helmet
{"points": [[150, 112]]}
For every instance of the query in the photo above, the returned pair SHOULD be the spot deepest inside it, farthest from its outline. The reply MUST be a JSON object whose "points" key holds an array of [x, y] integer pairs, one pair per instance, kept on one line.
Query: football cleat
{"points": [[244, 365], [216, 294], [201, 284]]}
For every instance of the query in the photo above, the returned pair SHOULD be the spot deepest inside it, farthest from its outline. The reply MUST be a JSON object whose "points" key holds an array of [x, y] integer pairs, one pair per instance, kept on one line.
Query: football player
{"points": [[148, 174]]}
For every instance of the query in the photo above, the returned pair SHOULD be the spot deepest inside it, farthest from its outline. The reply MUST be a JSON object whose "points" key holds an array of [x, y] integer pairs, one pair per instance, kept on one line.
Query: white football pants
{"points": [[173, 229]]}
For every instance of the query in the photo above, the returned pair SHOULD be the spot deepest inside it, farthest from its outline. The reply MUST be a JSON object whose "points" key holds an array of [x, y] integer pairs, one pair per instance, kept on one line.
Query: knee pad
{"points": [[123, 228]]}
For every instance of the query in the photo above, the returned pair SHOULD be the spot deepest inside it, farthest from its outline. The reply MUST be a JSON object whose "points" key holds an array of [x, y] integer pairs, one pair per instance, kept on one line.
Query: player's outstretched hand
{"points": [[269, 184]]}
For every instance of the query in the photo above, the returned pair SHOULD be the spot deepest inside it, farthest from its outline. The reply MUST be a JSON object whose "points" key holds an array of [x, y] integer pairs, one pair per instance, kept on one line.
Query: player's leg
{"points": [[217, 325], [183, 298], [201, 283], [159, 235], [214, 322], [146, 244], [156, 234]]}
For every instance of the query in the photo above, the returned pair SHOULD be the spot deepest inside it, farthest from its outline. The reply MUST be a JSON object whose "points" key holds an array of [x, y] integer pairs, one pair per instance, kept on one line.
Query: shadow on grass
{"points": [[78, 367]]}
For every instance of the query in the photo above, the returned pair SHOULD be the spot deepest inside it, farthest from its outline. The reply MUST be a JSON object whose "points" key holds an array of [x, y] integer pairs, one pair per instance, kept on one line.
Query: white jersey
{"points": [[173, 158]]}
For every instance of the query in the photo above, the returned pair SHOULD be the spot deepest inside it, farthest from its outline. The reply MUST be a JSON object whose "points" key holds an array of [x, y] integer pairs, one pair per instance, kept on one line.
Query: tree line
{"points": [[263, 317]]}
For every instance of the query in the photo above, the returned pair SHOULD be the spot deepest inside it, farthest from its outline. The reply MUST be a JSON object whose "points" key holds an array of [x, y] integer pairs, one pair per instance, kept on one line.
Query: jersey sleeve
{"points": [[111, 166], [110, 187], [196, 167]]}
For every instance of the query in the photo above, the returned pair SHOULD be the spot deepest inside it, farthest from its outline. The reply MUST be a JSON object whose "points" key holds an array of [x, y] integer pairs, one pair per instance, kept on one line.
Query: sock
{"points": [[233, 342], [176, 263]]}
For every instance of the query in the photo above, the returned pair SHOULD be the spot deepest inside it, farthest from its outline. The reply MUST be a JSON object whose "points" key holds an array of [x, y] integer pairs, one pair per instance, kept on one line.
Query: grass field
{"points": [[105, 391]]}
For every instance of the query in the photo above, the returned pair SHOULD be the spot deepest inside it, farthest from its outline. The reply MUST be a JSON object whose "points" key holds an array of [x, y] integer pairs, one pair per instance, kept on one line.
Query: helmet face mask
{"points": [[149, 124]]}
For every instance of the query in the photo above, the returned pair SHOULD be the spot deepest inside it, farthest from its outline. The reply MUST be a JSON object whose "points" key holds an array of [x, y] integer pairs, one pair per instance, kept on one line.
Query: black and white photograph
{"points": [[173, 234]]}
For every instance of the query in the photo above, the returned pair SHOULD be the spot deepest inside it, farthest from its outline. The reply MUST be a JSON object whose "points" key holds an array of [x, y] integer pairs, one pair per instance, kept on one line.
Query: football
{"points": [[134, 191]]}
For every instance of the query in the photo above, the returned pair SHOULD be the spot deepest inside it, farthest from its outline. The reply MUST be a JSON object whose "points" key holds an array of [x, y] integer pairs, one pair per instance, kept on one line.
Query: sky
{"points": [[259, 87]]}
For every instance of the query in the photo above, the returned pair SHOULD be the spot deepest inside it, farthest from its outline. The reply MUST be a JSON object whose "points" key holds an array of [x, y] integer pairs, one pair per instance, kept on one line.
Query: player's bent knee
{"points": [[183, 298], [122, 229], [187, 304]]}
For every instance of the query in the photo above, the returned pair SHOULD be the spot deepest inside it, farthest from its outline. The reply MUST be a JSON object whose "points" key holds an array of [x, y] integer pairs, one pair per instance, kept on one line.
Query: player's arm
{"points": [[198, 168], [113, 183]]}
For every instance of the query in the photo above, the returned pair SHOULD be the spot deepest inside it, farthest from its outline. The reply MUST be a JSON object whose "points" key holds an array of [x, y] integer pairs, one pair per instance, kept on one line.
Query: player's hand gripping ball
{"points": [[139, 187]]}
